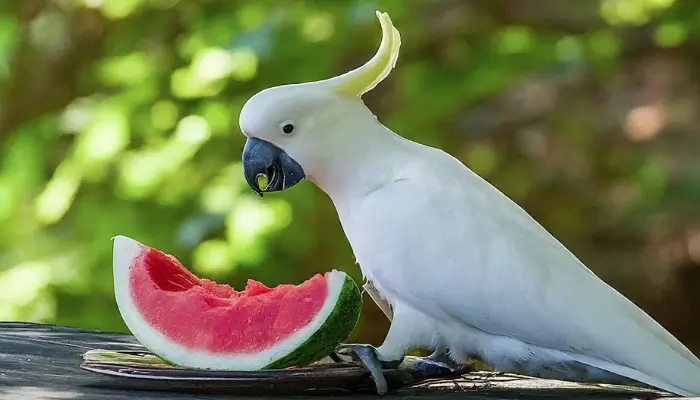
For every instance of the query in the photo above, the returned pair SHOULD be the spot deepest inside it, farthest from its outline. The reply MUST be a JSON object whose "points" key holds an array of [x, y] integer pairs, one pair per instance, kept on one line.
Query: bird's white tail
{"points": [[691, 388]]}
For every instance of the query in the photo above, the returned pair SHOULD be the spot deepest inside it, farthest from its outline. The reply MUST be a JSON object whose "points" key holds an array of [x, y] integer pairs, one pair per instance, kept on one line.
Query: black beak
{"points": [[263, 159]]}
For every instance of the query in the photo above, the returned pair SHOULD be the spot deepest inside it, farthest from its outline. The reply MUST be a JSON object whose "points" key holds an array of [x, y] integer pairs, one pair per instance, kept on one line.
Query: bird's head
{"points": [[294, 131]]}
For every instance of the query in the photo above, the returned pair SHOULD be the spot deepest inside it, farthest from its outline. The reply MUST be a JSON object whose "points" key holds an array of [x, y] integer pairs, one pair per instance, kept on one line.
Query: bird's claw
{"points": [[430, 367], [367, 355]]}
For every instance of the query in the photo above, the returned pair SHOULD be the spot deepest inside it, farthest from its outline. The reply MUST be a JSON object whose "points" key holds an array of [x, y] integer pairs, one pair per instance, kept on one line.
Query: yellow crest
{"points": [[364, 78]]}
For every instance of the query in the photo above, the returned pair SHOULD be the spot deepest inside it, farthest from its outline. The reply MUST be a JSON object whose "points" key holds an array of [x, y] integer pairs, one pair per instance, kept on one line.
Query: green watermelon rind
{"points": [[337, 328]]}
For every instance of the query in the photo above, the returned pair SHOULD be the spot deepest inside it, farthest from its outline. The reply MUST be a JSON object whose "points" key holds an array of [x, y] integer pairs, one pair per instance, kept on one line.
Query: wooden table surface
{"points": [[42, 362]]}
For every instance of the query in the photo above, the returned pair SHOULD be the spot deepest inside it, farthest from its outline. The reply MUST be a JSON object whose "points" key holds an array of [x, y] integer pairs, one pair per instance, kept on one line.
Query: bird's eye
{"points": [[287, 128]]}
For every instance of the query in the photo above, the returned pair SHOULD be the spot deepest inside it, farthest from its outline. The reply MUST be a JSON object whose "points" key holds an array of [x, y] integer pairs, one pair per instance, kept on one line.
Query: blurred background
{"points": [[121, 117]]}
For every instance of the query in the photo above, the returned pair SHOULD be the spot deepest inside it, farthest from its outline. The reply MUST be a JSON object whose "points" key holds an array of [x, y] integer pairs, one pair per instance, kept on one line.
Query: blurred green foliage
{"points": [[121, 117]]}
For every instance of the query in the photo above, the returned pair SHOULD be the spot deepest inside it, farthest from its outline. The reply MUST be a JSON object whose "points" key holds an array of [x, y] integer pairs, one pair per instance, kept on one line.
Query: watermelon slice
{"points": [[197, 323]]}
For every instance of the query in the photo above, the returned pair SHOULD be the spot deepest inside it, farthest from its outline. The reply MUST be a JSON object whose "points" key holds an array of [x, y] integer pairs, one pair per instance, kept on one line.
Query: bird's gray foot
{"points": [[436, 365], [367, 355]]}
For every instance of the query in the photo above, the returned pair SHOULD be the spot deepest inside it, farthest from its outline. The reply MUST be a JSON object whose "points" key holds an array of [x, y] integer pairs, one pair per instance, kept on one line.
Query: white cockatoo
{"points": [[467, 272]]}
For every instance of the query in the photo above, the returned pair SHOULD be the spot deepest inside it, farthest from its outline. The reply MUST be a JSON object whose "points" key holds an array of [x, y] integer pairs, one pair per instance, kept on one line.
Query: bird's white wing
{"points": [[454, 247]]}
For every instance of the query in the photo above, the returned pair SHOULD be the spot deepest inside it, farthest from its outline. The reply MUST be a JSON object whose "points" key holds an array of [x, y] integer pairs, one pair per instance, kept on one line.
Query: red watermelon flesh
{"points": [[176, 303]]}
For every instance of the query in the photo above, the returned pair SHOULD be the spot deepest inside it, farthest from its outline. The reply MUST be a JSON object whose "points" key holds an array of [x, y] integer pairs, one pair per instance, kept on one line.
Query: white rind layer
{"points": [[125, 253]]}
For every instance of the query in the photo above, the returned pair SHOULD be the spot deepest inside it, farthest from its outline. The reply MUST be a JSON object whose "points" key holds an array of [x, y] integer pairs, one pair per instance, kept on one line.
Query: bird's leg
{"points": [[367, 355], [441, 357], [387, 356], [435, 365], [409, 329]]}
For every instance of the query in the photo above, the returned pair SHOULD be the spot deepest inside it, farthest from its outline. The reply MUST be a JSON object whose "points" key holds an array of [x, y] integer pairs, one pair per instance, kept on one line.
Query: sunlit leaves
{"points": [[317, 27], [130, 69], [77, 115], [569, 48], [162, 4], [223, 190], [652, 179], [482, 159], [670, 34], [244, 64], [604, 43], [23, 293], [59, 192], [117, 9], [213, 258], [185, 85], [207, 74], [143, 171], [631, 12], [8, 201], [49, 31], [8, 40], [215, 64], [250, 221], [191, 131], [514, 39], [164, 114], [252, 15], [218, 115], [20, 169], [211, 64], [105, 137]]}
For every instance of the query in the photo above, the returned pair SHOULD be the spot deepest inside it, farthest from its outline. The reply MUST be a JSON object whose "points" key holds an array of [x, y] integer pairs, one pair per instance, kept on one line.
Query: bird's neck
{"points": [[374, 158]]}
